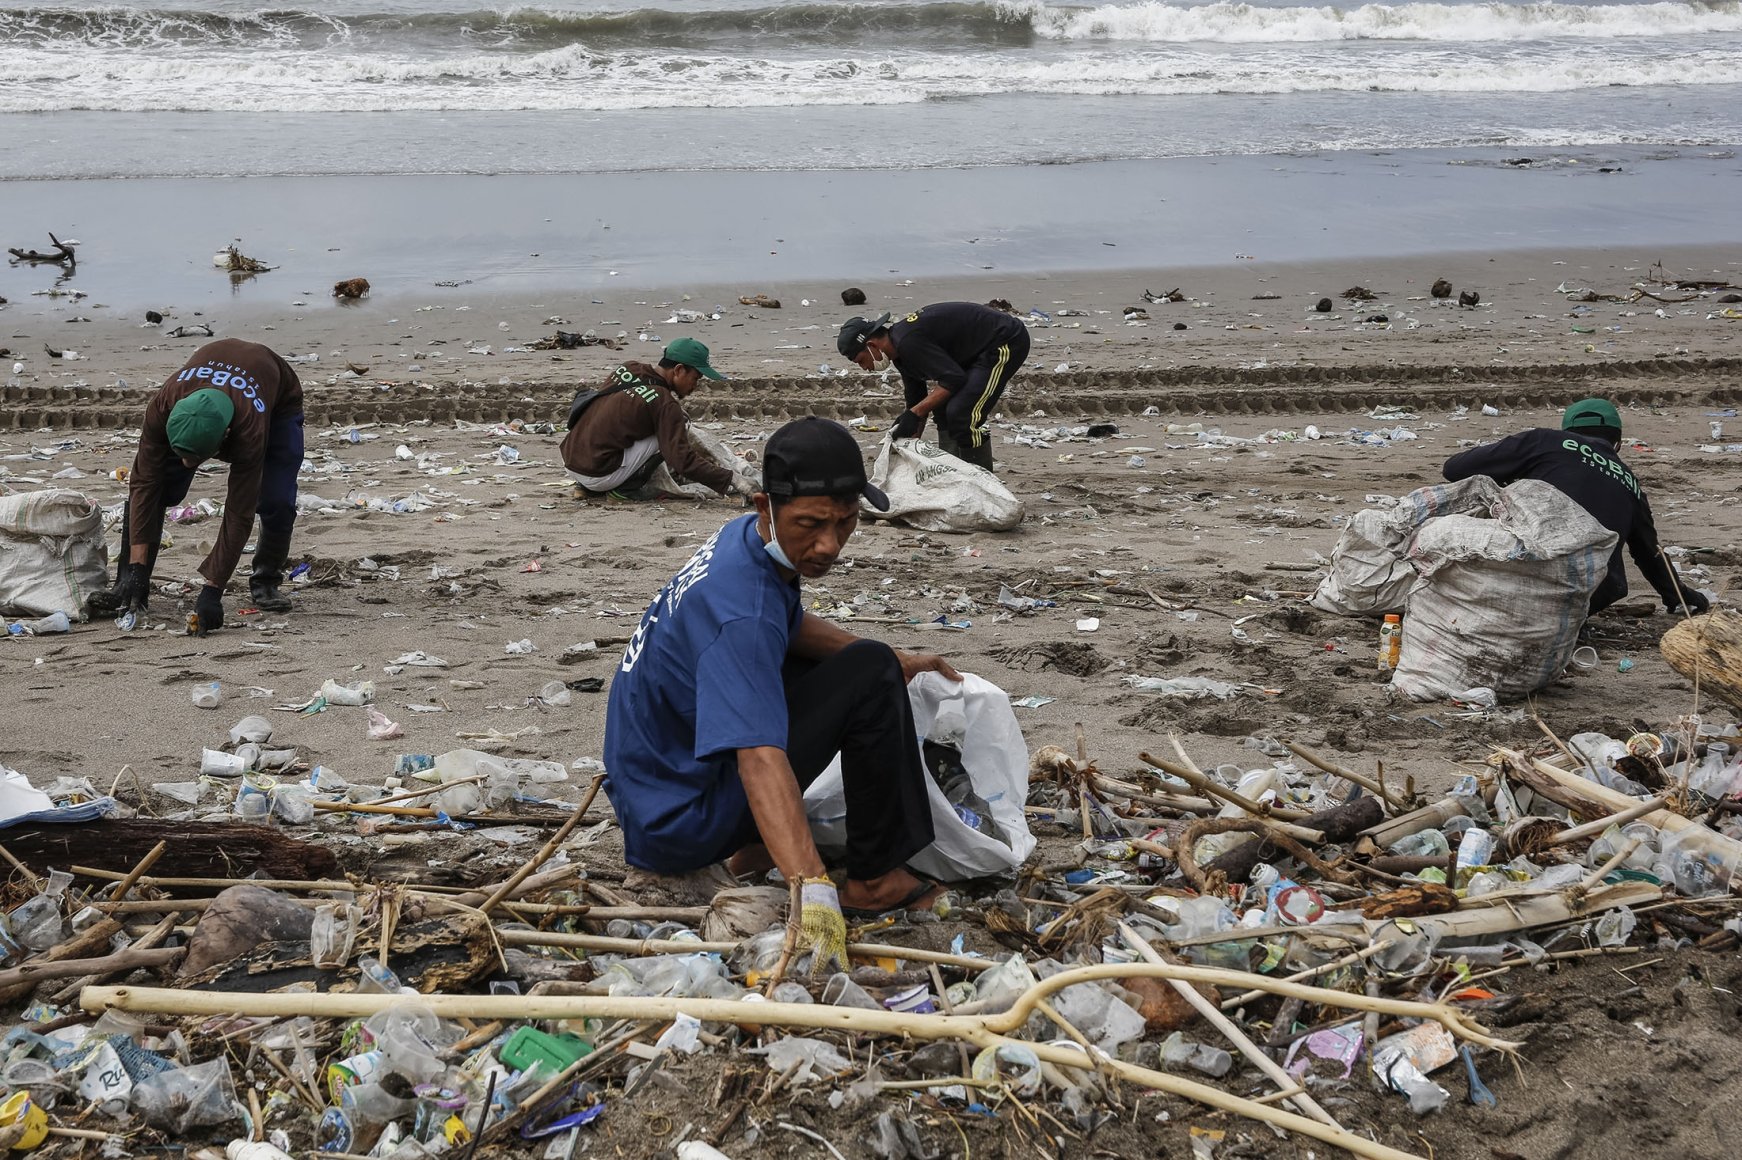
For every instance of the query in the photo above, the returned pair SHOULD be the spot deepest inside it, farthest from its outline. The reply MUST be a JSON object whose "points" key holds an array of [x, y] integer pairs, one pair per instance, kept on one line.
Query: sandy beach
{"points": [[1189, 553]]}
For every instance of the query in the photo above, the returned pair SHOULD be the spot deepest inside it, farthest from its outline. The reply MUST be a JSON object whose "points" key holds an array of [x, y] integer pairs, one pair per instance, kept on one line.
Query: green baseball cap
{"points": [[197, 424], [692, 353], [1590, 413]]}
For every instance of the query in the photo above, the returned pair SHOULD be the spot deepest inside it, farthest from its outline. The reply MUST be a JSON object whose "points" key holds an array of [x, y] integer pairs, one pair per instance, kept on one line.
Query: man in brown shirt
{"points": [[637, 421], [241, 403]]}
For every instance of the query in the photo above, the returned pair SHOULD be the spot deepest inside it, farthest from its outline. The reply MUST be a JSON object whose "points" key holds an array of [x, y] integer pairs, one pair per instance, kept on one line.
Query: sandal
{"points": [[865, 914]]}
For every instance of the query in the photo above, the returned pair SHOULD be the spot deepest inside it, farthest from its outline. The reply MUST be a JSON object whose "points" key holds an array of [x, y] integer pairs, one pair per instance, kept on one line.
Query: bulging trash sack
{"points": [[975, 718], [52, 554], [932, 490], [1502, 594]]}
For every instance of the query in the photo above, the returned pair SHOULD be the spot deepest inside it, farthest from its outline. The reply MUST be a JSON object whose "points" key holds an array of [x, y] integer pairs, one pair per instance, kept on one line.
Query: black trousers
{"points": [[966, 414], [855, 704]]}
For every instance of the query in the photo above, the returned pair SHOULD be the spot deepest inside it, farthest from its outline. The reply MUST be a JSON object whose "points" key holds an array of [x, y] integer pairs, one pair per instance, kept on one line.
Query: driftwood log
{"points": [[1708, 649], [63, 254], [195, 849]]}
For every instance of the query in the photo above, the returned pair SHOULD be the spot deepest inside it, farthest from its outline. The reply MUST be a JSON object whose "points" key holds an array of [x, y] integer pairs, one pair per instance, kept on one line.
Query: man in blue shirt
{"points": [[730, 699]]}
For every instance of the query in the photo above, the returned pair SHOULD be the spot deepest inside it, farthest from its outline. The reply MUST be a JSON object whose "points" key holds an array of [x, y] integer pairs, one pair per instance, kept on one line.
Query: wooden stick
{"points": [[355, 1005], [127, 960], [36, 883], [147, 941], [1172, 801], [636, 946], [1592, 829], [982, 1031], [1595, 878], [1392, 804], [550, 848], [134, 875], [794, 909], [417, 793], [1237, 1037], [1347, 960], [1199, 781]]}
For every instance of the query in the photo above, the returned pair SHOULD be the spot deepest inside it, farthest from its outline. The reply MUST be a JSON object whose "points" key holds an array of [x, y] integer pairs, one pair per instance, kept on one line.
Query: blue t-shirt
{"points": [[700, 680]]}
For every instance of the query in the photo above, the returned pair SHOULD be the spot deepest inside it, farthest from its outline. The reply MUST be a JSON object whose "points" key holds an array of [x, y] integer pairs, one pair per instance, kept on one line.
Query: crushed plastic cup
{"points": [[1014, 1064], [333, 934], [253, 730], [842, 991], [208, 696], [555, 693], [360, 693], [1584, 658], [217, 763]]}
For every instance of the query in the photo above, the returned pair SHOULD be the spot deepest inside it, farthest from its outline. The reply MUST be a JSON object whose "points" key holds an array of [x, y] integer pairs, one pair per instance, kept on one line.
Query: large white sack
{"points": [[664, 482], [932, 490], [975, 717], [1501, 598], [1368, 575], [52, 553]]}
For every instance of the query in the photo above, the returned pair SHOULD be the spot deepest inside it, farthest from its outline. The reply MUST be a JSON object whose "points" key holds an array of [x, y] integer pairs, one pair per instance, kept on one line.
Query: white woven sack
{"points": [[52, 553], [1501, 599], [932, 490], [1368, 575], [664, 482], [975, 716]]}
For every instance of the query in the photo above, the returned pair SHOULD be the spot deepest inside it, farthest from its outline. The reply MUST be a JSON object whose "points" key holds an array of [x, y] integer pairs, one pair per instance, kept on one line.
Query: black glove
{"points": [[132, 588], [908, 425], [209, 607], [1694, 599]]}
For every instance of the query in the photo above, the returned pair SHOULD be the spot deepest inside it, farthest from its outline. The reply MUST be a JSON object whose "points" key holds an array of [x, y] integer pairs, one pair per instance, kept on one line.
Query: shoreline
{"points": [[1255, 315], [148, 242]]}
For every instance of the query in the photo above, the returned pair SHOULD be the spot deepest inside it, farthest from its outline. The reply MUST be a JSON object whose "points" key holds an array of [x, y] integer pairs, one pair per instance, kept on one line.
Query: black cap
{"points": [[856, 332], [813, 456]]}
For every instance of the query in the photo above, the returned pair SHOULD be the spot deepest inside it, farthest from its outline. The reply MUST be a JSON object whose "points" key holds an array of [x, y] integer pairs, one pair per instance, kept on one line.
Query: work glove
{"points": [[209, 607], [1694, 599], [132, 588], [908, 425], [822, 929]]}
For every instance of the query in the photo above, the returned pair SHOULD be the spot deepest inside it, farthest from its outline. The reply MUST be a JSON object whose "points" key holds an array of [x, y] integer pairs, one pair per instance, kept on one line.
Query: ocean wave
{"points": [[575, 77], [994, 23]]}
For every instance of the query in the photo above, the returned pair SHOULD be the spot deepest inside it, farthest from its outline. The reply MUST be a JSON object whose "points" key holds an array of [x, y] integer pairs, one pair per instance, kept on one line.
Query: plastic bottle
{"points": [[376, 979], [1425, 844], [206, 696], [1390, 642]]}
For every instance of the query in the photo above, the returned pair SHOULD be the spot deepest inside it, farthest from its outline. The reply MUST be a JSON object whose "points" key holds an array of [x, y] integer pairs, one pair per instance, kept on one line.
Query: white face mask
{"points": [[773, 548], [880, 361]]}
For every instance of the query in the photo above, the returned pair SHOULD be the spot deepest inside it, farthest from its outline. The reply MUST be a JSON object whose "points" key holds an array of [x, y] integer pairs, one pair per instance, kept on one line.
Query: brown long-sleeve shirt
{"points": [[261, 385], [641, 406]]}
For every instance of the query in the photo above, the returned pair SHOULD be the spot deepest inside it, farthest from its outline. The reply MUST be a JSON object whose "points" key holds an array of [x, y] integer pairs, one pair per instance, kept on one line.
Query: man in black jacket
{"points": [[968, 351], [1581, 461]]}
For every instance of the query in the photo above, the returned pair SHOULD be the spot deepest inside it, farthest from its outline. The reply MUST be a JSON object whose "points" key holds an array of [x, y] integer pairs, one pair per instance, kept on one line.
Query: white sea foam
{"points": [[574, 77], [1230, 23]]}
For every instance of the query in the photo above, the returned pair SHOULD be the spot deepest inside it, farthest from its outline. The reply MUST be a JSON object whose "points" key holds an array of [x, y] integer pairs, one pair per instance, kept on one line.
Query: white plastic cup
{"points": [[1584, 658], [217, 763], [208, 696]]}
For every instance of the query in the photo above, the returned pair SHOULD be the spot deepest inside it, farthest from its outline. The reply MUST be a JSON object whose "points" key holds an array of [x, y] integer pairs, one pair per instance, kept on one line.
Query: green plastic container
{"points": [[529, 1046]]}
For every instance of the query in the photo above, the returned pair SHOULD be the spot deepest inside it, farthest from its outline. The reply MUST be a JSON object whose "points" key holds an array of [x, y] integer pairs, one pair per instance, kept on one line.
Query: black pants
{"points": [[855, 704], [966, 414]]}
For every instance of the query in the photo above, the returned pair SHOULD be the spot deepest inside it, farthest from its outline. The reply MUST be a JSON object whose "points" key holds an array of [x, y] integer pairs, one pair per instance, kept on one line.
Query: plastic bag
{"points": [[1501, 599], [52, 554], [186, 1098], [975, 717], [1369, 574], [932, 490]]}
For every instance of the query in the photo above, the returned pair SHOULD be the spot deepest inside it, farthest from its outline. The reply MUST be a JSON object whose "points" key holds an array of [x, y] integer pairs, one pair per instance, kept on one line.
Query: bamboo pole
{"points": [[1592, 829], [1284, 1082], [138, 872], [1392, 803], [549, 848], [982, 1031], [640, 946], [357, 1005], [1112, 786], [1269, 816]]}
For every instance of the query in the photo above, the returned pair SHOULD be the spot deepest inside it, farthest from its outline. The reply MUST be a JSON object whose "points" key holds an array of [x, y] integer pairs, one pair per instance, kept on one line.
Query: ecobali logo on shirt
{"points": [[687, 577], [226, 375], [1591, 457]]}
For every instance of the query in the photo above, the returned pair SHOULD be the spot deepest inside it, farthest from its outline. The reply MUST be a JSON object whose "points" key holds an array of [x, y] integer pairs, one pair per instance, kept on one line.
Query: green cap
{"points": [[694, 354], [197, 424], [1590, 413]]}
